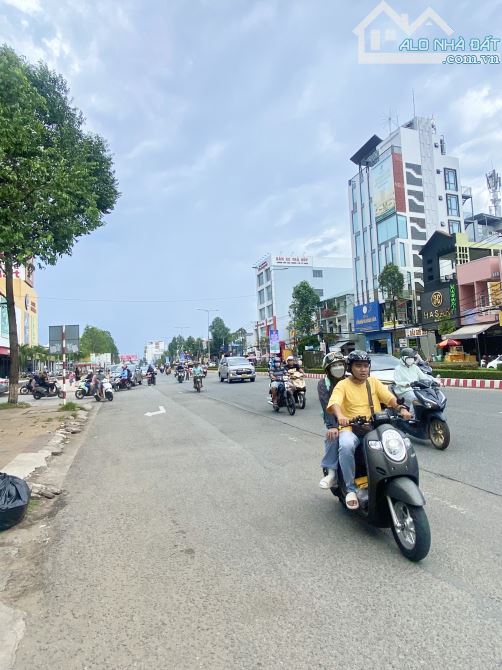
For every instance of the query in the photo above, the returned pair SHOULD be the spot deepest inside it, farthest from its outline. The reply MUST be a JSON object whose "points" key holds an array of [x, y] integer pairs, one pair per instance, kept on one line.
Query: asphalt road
{"points": [[198, 538]]}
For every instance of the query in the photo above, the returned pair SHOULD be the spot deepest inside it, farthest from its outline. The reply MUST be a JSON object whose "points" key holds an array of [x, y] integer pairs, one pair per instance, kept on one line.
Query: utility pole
{"points": [[208, 311]]}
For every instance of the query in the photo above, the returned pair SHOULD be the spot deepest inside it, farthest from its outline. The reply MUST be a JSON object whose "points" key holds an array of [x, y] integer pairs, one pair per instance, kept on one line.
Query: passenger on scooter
{"points": [[358, 395], [277, 378], [405, 373], [292, 364], [334, 369]]}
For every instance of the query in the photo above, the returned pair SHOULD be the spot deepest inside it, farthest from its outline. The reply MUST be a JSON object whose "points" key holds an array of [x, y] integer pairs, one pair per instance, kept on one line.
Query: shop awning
{"points": [[469, 332], [339, 345]]}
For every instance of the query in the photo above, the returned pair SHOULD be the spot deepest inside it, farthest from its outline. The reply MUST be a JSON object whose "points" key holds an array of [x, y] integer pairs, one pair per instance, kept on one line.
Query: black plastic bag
{"points": [[14, 498]]}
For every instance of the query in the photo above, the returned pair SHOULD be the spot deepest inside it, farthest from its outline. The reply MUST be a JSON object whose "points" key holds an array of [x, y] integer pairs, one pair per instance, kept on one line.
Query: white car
{"points": [[496, 361], [4, 386], [234, 368], [383, 366]]}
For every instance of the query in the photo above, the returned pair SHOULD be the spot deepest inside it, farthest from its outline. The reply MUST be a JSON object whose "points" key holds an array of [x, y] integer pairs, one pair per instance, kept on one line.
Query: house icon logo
{"points": [[382, 31]]}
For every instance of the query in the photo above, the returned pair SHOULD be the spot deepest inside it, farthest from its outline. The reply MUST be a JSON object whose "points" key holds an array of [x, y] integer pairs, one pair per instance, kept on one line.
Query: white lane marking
{"points": [[447, 503], [162, 410]]}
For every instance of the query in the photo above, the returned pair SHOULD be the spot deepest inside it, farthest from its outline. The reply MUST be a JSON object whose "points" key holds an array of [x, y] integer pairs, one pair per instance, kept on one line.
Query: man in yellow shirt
{"points": [[349, 399]]}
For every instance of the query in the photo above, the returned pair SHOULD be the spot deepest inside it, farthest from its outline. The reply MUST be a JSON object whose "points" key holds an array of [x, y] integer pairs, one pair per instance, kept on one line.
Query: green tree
{"points": [[199, 348], [391, 283], [56, 180], [172, 349], [303, 309], [446, 326], [190, 346], [220, 335], [240, 336], [97, 341]]}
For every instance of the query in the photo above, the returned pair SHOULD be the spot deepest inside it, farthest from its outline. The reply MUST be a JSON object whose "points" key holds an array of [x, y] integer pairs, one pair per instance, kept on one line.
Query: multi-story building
{"points": [[276, 277], [26, 302], [337, 316], [406, 188], [154, 350]]}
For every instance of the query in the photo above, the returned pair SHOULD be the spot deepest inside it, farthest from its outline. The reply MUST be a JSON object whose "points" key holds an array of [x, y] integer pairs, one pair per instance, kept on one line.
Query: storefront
{"points": [[368, 321]]}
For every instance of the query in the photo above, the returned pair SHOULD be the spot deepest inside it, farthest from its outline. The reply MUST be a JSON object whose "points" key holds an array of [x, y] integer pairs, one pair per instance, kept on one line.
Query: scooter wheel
{"points": [[79, 394], [302, 401], [109, 395], [439, 434], [414, 536], [37, 395], [291, 405], [60, 394], [23, 390]]}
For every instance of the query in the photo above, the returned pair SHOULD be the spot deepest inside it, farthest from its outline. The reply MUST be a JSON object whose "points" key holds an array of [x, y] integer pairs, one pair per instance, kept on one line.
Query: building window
{"points": [[354, 198], [374, 267], [393, 253], [267, 274], [270, 311], [454, 226], [452, 205], [363, 222], [262, 314], [450, 179], [317, 273], [358, 246], [260, 279], [393, 226], [402, 254], [269, 293], [355, 222], [319, 291], [261, 297]]}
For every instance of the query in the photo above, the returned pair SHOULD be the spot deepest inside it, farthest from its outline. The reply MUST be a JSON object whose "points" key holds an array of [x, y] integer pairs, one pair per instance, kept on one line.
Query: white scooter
{"points": [[107, 391]]}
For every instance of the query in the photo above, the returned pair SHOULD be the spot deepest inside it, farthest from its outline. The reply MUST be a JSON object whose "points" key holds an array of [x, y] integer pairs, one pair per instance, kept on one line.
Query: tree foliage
{"points": [[391, 283], [220, 335], [446, 326], [56, 180], [303, 309], [97, 341]]}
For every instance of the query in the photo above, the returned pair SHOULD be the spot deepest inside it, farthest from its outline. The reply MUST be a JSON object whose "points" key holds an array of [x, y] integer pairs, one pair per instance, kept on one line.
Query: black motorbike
{"points": [[151, 379], [429, 422], [387, 475], [197, 383], [180, 376], [285, 396], [51, 391], [121, 384], [425, 367]]}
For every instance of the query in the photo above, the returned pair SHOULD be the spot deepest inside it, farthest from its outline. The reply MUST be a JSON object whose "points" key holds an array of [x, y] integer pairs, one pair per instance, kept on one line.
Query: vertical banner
{"points": [[275, 347]]}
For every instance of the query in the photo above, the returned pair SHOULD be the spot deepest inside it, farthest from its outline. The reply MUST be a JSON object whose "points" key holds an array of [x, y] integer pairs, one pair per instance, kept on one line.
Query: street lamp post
{"points": [[208, 311]]}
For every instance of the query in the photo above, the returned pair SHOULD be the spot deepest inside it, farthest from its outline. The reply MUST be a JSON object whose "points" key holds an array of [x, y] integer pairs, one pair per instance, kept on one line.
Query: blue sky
{"points": [[232, 123]]}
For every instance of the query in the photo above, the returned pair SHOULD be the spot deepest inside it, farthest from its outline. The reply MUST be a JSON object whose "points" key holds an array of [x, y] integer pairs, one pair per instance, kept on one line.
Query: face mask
{"points": [[337, 371], [409, 361]]}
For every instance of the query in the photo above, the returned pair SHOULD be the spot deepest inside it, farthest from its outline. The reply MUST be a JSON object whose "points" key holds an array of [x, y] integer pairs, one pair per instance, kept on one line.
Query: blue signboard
{"points": [[367, 317]]}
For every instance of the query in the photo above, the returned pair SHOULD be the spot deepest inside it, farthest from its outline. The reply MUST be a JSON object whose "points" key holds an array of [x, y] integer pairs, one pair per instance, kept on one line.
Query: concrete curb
{"points": [[492, 384]]}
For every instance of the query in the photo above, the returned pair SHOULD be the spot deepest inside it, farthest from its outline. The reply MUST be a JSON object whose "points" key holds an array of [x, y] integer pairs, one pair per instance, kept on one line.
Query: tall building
{"points": [[26, 301], [154, 350], [405, 189], [276, 277]]}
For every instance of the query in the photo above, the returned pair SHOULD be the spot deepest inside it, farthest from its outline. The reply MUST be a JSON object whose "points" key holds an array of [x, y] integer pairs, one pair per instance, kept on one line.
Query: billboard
{"points": [[275, 347], [439, 304], [382, 188], [367, 317], [292, 260], [126, 358]]}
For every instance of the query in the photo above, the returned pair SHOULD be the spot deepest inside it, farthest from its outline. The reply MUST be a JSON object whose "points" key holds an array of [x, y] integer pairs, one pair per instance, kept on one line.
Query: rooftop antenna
{"points": [[494, 185]]}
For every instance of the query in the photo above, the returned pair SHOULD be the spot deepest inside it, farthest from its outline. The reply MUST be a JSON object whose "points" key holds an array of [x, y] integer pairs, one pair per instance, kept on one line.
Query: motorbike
{"points": [[26, 389], [197, 383], [425, 367], [83, 389], [44, 392], [180, 376], [299, 388], [285, 396], [107, 391], [204, 370], [429, 423], [120, 383], [150, 378], [387, 476]]}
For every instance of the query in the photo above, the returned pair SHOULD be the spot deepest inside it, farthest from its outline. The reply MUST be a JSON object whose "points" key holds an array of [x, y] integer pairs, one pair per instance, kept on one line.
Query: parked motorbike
{"points": [[429, 423], [285, 396], [150, 378], [299, 388], [83, 389], [26, 389], [107, 391], [44, 392], [120, 384], [387, 476], [197, 383]]}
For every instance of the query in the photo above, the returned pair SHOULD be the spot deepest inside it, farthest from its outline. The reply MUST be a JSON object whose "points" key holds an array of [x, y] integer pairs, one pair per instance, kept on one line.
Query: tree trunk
{"points": [[13, 341]]}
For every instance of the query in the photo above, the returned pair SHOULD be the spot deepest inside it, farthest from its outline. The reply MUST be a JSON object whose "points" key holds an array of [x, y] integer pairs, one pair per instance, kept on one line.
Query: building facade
{"points": [[26, 302], [276, 277], [337, 316], [406, 188], [154, 350]]}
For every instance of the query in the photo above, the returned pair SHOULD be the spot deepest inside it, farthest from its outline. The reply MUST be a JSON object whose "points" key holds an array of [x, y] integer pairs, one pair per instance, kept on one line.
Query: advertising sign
{"points": [[72, 340], [382, 184], [367, 317], [125, 358], [439, 304], [55, 339], [4, 322], [274, 342], [291, 260]]}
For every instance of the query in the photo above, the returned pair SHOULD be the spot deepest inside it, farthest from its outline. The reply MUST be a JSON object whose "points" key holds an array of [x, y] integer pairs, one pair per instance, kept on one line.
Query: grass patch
{"points": [[17, 405], [33, 504], [69, 407]]}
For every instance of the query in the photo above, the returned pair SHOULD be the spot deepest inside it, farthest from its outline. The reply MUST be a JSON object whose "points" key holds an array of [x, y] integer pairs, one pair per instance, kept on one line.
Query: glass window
{"points": [[262, 313], [402, 254], [358, 246], [267, 274], [454, 226], [393, 253], [363, 219], [355, 222], [382, 258], [269, 293], [317, 273], [367, 244], [387, 229], [402, 227], [319, 291], [270, 311], [452, 205], [260, 279], [354, 197], [450, 179], [261, 296], [374, 267]]}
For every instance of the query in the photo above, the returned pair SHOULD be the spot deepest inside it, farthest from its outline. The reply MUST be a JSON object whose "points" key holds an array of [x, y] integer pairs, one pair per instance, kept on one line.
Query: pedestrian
{"points": [[71, 377], [77, 373]]}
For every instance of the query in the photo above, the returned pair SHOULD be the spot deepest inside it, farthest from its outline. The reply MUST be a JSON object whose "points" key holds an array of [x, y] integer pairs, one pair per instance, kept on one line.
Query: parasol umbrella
{"points": [[448, 343]]}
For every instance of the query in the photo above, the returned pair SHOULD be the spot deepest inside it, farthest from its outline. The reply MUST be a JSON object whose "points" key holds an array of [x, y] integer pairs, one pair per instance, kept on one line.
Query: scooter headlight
{"points": [[393, 445]]}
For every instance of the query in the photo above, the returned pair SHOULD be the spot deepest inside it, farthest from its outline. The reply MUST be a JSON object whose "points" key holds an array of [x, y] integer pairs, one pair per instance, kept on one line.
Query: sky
{"points": [[231, 123]]}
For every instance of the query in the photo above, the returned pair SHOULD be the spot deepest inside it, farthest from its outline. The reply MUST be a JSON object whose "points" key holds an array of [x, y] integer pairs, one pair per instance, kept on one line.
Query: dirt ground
{"points": [[28, 429]]}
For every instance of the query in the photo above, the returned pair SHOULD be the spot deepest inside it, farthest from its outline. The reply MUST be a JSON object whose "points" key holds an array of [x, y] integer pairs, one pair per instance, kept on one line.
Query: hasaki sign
{"points": [[439, 304]]}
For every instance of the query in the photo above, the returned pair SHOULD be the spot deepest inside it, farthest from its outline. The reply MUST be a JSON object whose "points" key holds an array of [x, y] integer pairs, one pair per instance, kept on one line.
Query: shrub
{"points": [[457, 365], [481, 373]]}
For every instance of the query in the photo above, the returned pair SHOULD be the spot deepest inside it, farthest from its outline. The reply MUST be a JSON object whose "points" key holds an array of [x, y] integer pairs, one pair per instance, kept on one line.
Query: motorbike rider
{"points": [[405, 373], [334, 368], [124, 374], [97, 383], [197, 371], [352, 397], [277, 379], [292, 364]]}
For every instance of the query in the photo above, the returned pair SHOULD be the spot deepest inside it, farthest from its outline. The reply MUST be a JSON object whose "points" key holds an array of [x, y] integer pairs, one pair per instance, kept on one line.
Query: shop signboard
{"points": [[442, 303], [367, 317]]}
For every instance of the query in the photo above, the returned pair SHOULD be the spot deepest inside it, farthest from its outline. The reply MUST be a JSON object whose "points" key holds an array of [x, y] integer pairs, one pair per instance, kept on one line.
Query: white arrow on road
{"points": [[162, 410]]}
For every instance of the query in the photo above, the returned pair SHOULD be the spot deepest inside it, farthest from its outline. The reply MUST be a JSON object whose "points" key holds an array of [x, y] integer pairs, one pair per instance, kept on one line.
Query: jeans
{"points": [[348, 444], [409, 397], [330, 460]]}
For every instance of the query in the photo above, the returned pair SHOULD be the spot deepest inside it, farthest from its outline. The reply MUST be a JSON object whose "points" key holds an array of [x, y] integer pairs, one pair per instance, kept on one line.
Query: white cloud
{"points": [[330, 243], [57, 46], [187, 172], [25, 6], [476, 106]]}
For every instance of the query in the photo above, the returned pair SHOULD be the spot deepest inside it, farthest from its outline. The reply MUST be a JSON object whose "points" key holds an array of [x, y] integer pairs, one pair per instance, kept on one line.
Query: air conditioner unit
{"points": [[438, 171]]}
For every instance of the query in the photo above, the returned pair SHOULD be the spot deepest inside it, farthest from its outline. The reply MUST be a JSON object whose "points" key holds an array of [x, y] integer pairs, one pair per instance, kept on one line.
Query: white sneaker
{"points": [[327, 482]]}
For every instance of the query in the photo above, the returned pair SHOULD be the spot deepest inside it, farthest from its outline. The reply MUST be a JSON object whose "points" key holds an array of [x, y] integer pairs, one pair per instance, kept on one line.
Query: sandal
{"points": [[351, 501]]}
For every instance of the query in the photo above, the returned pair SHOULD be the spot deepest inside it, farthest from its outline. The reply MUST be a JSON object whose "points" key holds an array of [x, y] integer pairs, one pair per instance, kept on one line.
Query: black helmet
{"points": [[407, 352], [357, 356]]}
